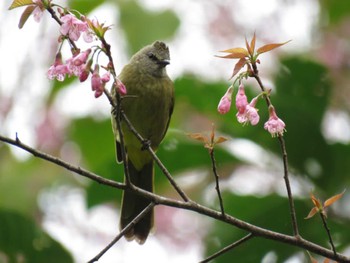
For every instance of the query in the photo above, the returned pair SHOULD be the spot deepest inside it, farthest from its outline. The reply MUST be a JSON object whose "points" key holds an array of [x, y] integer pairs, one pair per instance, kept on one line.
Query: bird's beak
{"points": [[164, 62]]}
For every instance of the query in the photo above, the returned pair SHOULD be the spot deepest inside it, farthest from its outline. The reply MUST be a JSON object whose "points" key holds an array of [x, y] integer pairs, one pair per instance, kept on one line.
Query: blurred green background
{"points": [[310, 91]]}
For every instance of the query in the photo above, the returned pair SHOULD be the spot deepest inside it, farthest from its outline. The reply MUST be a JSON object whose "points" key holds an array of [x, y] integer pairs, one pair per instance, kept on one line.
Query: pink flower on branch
{"points": [[58, 70], [38, 10], [120, 87], [225, 102], [250, 113], [241, 99], [275, 126], [96, 83], [72, 27]]}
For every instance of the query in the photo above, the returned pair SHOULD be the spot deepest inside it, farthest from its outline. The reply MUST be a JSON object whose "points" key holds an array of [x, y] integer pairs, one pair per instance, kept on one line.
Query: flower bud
{"points": [[225, 102]]}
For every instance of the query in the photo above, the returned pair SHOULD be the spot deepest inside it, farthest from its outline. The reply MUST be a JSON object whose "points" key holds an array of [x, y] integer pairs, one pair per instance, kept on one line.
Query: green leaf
{"points": [[20, 237], [19, 3], [143, 27], [335, 11], [96, 141], [85, 6], [303, 94]]}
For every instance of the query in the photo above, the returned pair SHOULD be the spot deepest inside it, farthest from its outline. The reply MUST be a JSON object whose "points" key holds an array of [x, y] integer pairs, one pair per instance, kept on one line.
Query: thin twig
{"points": [[56, 18], [323, 217], [287, 183], [228, 248], [191, 206], [122, 232], [60, 162], [285, 159], [217, 186], [117, 114], [156, 159]]}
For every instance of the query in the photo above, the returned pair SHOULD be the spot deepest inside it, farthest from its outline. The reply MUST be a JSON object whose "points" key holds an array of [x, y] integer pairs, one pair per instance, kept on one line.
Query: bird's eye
{"points": [[152, 56]]}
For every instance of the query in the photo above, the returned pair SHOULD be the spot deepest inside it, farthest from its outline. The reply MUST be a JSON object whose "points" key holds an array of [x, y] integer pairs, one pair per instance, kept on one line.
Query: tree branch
{"points": [[60, 162], [217, 186], [188, 205], [228, 248]]}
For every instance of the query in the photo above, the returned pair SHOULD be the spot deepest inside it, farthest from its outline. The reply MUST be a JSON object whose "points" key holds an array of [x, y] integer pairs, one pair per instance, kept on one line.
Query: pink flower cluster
{"points": [[247, 113], [98, 82], [73, 27], [77, 65], [274, 125]]}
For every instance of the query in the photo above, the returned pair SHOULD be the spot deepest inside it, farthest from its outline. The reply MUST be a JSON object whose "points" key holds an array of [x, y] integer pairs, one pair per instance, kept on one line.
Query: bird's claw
{"points": [[145, 144]]}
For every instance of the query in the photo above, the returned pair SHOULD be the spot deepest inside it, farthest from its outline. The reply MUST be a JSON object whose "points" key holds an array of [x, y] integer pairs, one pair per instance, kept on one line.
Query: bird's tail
{"points": [[133, 204]]}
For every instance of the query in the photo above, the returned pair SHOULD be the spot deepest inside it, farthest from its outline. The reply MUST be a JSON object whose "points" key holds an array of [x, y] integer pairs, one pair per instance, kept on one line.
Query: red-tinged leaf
{"points": [[327, 260], [24, 17], [334, 198], [250, 51], [316, 202], [19, 3], [198, 136], [270, 47], [233, 56], [235, 50], [220, 139], [312, 212], [252, 43], [240, 64]]}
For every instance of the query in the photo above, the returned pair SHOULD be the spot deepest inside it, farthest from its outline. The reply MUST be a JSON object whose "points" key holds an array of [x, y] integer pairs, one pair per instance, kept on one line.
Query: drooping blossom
{"points": [[85, 73], [250, 113], [38, 10], [241, 99], [76, 64], [106, 77], [225, 102], [275, 126], [81, 58], [58, 70], [96, 83], [73, 27], [120, 87]]}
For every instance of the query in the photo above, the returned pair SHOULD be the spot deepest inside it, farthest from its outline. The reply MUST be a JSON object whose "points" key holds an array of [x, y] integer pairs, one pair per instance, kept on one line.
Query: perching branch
{"points": [[60, 162], [189, 205], [155, 158]]}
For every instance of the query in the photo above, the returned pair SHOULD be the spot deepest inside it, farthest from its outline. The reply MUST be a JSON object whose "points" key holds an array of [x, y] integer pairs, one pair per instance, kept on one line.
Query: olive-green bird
{"points": [[148, 105]]}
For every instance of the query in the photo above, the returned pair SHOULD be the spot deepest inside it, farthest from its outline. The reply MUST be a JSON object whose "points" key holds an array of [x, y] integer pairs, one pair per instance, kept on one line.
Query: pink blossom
{"points": [[121, 89], [74, 69], [274, 125], [72, 27], [106, 77], [96, 83], [81, 58], [58, 70], [38, 10], [225, 102], [250, 114], [84, 74], [241, 100]]}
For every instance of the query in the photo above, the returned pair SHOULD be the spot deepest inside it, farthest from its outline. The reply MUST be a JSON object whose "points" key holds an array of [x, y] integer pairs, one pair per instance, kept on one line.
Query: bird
{"points": [[148, 105]]}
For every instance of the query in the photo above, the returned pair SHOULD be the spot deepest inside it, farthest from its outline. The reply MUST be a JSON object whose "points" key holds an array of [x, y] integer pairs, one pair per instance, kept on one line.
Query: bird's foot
{"points": [[145, 144]]}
